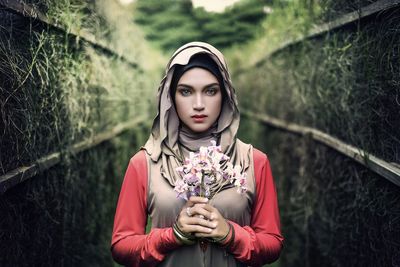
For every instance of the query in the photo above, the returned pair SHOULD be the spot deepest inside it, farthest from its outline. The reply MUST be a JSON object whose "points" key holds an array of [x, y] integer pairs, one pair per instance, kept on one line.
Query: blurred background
{"points": [[318, 83]]}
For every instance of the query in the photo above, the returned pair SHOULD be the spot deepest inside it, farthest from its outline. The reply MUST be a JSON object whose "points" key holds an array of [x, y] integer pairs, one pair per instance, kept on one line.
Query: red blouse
{"points": [[255, 245]]}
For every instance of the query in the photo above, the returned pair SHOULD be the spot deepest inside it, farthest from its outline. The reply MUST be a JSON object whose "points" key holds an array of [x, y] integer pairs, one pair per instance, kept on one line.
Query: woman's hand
{"points": [[194, 217], [200, 219], [220, 227]]}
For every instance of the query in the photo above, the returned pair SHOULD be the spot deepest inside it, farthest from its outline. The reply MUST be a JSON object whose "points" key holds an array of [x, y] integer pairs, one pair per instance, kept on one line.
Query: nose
{"points": [[198, 103]]}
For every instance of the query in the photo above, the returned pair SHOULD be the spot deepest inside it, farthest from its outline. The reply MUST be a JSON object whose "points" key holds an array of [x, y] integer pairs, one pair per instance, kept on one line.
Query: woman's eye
{"points": [[211, 91], [184, 92]]}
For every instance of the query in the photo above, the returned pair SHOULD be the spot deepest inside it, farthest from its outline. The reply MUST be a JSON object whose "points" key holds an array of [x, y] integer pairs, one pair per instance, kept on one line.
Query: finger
{"points": [[184, 219], [187, 211], [195, 200], [208, 207], [214, 213], [198, 209], [200, 221], [217, 233], [196, 229], [184, 215]]}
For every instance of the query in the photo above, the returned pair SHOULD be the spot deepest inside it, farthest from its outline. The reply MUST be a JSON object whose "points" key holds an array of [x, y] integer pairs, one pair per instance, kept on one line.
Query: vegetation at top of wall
{"points": [[287, 21], [345, 84], [107, 21], [331, 9], [57, 90], [172, 23]]}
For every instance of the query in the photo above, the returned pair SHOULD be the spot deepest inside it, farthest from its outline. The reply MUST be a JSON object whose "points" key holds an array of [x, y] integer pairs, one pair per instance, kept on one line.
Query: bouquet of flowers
{"points": [[206, 167]]}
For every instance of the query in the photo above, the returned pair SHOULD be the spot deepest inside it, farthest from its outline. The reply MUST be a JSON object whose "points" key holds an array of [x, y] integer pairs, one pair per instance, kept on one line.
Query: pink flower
{"points": [[204, 168], [181, 188], [192, 178]]}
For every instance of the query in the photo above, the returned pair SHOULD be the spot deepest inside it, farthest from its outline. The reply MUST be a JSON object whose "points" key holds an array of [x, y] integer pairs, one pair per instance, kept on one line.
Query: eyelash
{"points": [[184, 91], [209, 91]]}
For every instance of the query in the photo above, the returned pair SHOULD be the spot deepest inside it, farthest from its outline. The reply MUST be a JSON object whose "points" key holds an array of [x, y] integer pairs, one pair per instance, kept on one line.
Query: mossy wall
{"points": [[334, 211], [55, 91]]}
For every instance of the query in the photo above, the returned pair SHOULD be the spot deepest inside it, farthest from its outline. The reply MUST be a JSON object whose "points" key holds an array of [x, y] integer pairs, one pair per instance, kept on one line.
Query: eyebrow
{"points": [[189, 86]]}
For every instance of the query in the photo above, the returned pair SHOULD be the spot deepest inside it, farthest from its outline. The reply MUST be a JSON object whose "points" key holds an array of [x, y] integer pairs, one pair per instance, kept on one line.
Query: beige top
{"points": [[163, 208]]}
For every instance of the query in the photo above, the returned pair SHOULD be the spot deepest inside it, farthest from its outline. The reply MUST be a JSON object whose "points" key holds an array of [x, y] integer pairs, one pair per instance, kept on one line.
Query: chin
{"points": [[199, 128]]}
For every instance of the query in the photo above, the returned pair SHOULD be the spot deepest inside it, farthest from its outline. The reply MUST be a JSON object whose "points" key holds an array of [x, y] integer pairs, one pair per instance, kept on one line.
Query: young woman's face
{"points": [[198, 99]]}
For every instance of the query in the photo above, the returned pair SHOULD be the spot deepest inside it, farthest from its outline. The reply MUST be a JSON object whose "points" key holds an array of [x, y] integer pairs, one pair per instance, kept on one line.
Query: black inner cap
{"points": [[197, 61]]}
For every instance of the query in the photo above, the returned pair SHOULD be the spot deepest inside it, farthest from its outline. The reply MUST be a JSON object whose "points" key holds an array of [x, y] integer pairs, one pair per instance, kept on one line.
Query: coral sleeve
{"points": [[130, 245], [262, 241]]}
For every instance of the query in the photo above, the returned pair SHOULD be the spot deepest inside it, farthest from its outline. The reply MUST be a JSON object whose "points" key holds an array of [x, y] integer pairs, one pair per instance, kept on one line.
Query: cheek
{"points": [[180, 106], [217, 106]]}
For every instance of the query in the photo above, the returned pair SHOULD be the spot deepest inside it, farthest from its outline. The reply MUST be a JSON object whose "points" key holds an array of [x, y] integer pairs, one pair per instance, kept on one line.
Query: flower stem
{"points": [[202, 184]]}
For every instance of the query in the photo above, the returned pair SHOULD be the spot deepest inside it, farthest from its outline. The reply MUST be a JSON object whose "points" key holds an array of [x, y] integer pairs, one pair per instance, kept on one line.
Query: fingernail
{"points": [[205, 199], [209, 230]]}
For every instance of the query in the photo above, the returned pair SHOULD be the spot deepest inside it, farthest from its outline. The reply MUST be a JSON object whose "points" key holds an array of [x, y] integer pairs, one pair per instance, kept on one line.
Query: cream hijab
{"points": [[163, 141]]}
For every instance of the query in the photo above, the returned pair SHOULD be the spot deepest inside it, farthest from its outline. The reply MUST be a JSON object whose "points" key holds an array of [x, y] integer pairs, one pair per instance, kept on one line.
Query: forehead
{"points": [[197, 76]]}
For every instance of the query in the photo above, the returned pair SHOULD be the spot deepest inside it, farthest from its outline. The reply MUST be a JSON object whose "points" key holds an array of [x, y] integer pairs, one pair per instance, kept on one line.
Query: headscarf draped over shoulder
{"points": [[163, 141]]}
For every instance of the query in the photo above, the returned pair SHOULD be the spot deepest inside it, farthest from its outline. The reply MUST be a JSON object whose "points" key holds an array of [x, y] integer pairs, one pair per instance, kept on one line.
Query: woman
{"points": [[197, 104]]}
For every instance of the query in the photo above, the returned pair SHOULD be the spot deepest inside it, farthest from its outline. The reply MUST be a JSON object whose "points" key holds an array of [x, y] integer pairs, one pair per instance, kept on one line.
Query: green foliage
{"points": [[332, 9], [344, 84], [64, 215], [57, 90], [172, 23], [335, 212], [288, 20]]}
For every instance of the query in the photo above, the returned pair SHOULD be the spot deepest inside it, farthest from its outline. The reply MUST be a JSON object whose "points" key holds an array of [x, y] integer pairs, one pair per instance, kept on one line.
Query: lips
{"points": [[199, 118]]}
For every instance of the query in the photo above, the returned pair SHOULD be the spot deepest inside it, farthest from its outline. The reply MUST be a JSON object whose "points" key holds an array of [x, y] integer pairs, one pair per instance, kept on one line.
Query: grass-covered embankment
{"points": [[57, 90], [334, 211]]}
